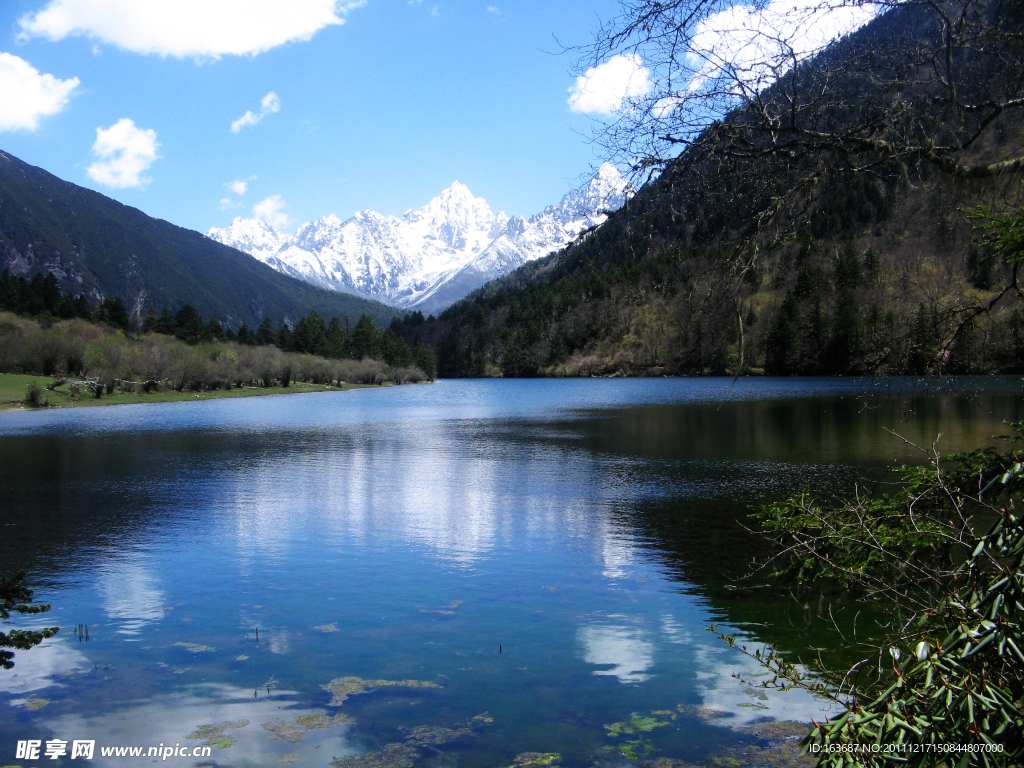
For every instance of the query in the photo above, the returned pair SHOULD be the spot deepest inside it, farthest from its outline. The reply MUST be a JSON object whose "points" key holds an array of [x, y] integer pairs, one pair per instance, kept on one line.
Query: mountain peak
{"points": [[424, 255], [610, 180], [458, 194]]}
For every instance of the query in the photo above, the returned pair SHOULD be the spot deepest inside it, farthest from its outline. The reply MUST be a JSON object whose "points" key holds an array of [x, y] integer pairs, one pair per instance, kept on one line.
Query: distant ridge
{"points": [[104, 249]]}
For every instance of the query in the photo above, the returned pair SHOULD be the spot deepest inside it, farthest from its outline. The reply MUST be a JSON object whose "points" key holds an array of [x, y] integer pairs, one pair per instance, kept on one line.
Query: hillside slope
{"points": [[99, 247], [873, 273]]}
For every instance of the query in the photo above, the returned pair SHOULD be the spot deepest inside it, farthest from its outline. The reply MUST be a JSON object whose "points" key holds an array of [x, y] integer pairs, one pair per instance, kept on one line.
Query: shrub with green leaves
{"points": [[942, 557]]}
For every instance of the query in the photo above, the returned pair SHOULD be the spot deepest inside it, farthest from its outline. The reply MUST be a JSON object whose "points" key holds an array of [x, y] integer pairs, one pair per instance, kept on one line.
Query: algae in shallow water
{"points": [[435, 736], [343, 687], [214, 733], [538, 758], [633, 750], [194, 647], [704, 713], [302, 725], [635, 724], [421, 737], [448, 610], [779, 748], [36, 703], [391, 756]]}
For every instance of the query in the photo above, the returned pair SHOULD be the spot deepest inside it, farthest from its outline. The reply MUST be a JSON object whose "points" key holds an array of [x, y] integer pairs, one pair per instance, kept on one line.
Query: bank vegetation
{"points": [[90, 360]]}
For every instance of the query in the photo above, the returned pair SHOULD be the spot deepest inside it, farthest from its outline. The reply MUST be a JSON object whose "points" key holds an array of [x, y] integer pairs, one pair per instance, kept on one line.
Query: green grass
{"points": [[14, 388]]}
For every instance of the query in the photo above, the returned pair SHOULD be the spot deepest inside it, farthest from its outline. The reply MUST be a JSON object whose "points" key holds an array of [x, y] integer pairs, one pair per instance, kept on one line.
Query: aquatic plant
{"points": [[702, 712], [448, 610], [214, 733], [343, 687], [635, 724], [640, 748], [390, 756], [635, 749], [538, 758], [421, 738], [302, 725], [194, 648]]}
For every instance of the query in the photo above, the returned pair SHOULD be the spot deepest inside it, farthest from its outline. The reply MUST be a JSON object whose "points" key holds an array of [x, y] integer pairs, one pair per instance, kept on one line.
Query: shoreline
{"points": [[14, 386]]}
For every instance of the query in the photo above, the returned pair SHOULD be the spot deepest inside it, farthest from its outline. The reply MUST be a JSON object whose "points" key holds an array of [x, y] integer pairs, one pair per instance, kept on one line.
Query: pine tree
{"points": [[366, 339], [424, 360], [337, 338], [189, 326], [214, 330], [265, 334]]}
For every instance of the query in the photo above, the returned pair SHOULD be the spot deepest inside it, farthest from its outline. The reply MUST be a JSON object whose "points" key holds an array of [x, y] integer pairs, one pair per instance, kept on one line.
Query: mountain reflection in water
{"points": [[233, 557]]}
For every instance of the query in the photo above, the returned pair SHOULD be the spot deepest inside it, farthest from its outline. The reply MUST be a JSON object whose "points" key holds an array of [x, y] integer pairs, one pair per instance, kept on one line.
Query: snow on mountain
{"points": [[431, 257]]}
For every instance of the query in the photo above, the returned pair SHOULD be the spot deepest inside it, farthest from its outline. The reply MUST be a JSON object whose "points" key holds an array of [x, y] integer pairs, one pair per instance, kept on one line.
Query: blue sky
{"points": [[380, 112]]}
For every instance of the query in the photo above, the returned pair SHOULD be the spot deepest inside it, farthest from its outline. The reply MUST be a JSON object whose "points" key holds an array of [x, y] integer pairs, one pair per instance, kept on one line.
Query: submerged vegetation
{"points": [[213, 734], [419, 741], [303, 724], [343, 687]]}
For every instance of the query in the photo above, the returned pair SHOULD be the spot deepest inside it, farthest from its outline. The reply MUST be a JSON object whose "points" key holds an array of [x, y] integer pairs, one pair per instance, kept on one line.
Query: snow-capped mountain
{"points": [[430, 257]]}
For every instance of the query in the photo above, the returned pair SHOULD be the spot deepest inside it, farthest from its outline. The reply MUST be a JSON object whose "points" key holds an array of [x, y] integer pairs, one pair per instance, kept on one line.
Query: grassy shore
{"points": [[14, 388]]}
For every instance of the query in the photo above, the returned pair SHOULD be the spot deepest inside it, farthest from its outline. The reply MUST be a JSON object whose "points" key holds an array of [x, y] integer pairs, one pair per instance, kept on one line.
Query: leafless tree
{"points": [[926, 82], [746, 114]]}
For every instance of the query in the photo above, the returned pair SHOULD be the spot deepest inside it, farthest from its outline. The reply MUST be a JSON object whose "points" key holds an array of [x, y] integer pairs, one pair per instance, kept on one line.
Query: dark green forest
{"points": [[851, 256]]}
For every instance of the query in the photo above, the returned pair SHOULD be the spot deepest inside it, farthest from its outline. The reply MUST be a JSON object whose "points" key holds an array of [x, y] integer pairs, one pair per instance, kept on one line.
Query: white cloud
{"points": [[125, 152], [622, 648], [604, 88], [755, 46], [268, 105], [26, 95], [239, 187], [271, 210], [227, 203], [187, 28], [493, 9]]}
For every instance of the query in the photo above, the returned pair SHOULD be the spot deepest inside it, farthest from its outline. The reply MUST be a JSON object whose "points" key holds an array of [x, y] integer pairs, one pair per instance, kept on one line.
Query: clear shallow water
{"points": [[589, 528]]}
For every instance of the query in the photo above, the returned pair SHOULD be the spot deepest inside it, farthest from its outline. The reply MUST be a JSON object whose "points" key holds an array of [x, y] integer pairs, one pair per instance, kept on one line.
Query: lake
{"points": [[437, 575]]}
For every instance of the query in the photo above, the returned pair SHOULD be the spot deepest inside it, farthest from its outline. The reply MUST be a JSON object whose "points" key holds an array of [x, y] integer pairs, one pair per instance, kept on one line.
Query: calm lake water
{"points": [[545, 552]]}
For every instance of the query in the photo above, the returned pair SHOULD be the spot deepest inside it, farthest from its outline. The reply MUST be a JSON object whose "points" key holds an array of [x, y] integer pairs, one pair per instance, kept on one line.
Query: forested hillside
{"points": [[102, 249], [839, 241]]}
